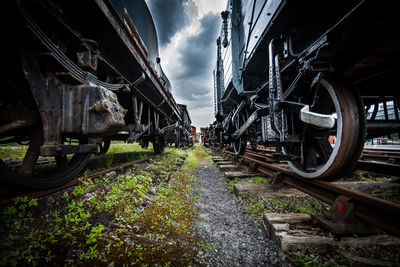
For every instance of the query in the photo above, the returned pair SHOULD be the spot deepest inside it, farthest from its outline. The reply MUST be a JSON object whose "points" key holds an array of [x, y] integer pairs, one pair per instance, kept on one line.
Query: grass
{"points": [[312, 257], [394, 199], [256, 179], [257, 206], [119, 147], [18, 151], [368, 177], [143, 217], [13, 152]]}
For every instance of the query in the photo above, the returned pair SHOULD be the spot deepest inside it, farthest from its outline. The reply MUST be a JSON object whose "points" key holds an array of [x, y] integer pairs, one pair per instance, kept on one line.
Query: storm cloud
{"points": [[199, 50], [192, 79], [170, 16], [187, 32]]}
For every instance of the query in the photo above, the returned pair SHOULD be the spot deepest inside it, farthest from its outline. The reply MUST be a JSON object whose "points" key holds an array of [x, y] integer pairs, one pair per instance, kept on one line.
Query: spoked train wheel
{"points": [[59, 169], [315, 156], [239, 145]]}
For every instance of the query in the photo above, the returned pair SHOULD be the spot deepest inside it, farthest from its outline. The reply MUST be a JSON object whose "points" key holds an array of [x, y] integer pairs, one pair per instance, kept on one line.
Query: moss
{"points": [[394, 199], [255, 179], [12, 152], [120, 147], [106, 220], [258, 206]]}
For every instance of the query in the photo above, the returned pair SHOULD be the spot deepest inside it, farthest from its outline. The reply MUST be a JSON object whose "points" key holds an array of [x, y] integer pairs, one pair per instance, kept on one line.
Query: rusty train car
{"points": [[194, 134], [291, 74], [76, 75]]}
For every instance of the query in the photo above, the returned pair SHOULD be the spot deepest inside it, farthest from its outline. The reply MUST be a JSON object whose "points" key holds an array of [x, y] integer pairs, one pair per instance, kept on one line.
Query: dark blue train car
{"points": [[291, 74]]}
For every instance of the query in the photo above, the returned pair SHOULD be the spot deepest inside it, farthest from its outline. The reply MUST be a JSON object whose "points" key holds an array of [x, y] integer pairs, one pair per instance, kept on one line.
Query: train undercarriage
{"points": [[306, 88], [77, 77]]}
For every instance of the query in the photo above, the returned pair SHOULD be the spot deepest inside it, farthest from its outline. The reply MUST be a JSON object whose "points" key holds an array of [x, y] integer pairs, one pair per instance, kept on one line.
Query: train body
{"points": [[77, 75], [294, 74], [204, 135], [185, 135]]}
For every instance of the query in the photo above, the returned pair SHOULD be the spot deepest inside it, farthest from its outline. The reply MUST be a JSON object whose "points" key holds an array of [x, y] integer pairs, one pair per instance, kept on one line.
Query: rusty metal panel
{"points": [[142, 20], [72, 110], [91, 110]]}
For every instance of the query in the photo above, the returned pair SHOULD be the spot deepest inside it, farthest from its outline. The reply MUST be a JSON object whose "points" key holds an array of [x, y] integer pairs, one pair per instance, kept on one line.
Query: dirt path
{"points": [[232, 237]]}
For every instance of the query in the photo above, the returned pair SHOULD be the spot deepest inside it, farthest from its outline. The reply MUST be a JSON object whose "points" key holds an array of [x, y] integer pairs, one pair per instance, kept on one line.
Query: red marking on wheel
{"points": [[340, 207]]}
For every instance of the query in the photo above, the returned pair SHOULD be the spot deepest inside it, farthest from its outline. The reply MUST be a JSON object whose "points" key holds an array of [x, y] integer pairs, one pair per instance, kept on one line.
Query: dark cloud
{"points": [[200, 49], [170, 16], [196, 59]]}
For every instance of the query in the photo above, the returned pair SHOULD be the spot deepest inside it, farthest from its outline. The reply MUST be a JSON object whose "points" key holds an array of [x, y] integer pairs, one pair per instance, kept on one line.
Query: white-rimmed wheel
{"points": [[239, 145], [328, 153]]}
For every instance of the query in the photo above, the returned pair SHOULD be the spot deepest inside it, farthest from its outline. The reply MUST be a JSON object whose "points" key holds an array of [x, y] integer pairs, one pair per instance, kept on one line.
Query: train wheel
{"points": [[239, 146], [159, 144], [315, 156], [221, 141], [177, 140], [29, 174]]}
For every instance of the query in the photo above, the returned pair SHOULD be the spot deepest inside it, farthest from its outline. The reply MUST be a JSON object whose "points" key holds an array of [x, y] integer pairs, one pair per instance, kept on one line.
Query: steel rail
{"points": [[382, 152], [380, 155], [375, 211], [378, 161]]}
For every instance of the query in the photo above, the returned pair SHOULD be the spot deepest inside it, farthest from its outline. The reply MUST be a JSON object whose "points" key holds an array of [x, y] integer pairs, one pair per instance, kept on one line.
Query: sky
{"points": [[187, 31]]}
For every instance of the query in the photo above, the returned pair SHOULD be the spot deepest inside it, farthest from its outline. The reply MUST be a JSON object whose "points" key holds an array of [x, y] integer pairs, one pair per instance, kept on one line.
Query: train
{"points": [[194, 134], [294, 74], [204, 135], [77, 75], [185, 130]]}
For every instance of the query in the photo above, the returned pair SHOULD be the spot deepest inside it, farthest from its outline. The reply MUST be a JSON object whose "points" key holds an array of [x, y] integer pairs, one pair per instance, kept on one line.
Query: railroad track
{"points": [[344, 202], [382, 161], [384, 155], [9, 192], [18, 162], [381, 155]]}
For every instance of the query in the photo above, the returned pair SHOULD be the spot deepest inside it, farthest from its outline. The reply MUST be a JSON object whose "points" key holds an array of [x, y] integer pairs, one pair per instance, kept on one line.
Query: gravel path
{"points": [[230, 233]]}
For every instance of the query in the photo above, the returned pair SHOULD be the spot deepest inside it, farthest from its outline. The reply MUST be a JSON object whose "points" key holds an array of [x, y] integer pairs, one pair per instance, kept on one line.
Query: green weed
{"points": [[121, 147], [13, 152], [141, 227]]}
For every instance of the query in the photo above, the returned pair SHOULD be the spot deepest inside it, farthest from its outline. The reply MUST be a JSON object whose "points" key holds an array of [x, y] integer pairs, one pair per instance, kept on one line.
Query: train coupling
{"points": [[317, 119]]}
